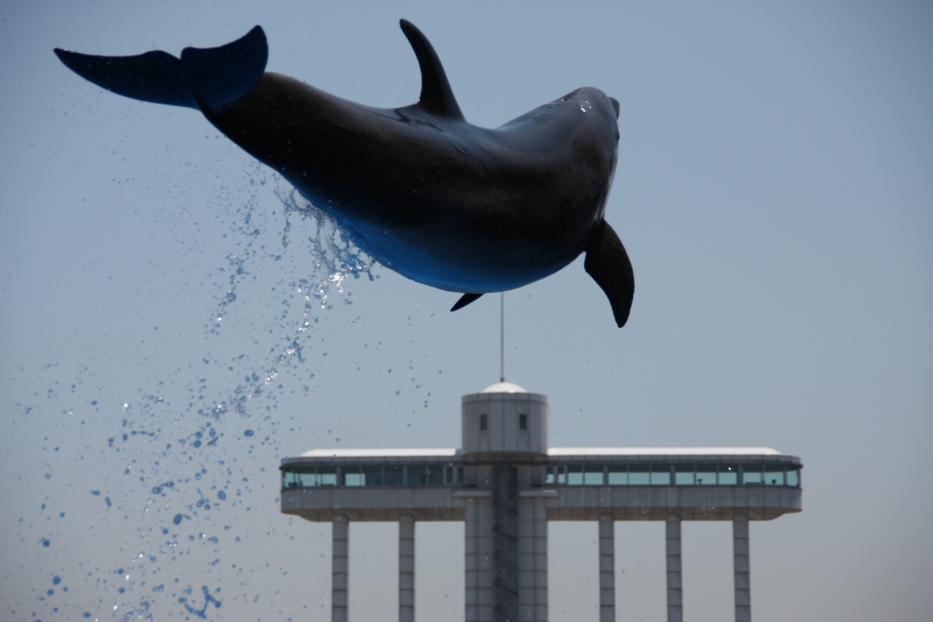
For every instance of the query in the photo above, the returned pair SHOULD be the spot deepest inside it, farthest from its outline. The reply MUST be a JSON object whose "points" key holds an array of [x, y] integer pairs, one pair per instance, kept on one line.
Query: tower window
{"points": [[523, 422], [483, 422]]}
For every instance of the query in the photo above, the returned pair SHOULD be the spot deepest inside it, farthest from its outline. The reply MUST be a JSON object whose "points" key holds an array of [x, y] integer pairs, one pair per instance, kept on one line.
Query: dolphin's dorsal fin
{"points": [[609, 265], [436, 95]]}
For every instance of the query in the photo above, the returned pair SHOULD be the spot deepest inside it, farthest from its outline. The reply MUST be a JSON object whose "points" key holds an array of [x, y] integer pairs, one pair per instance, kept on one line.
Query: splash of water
{"points": [[177, 459], [336, 259]]}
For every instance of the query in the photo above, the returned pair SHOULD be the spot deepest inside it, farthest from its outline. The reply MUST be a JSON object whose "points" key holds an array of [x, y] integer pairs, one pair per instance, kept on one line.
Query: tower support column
{"points": [[505, 542], [479, 561], [607, 575], [406, 568], [532, 559], [471, 561], [740, 553], [340, 553], [675, 598]]}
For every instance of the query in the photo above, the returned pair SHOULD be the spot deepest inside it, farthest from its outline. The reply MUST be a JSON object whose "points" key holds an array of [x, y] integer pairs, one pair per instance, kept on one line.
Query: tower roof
{"points": [[504, 387]]}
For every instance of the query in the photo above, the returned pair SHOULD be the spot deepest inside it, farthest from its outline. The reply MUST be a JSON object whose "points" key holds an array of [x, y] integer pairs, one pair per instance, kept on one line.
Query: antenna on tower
{"points": [[502, 337]]}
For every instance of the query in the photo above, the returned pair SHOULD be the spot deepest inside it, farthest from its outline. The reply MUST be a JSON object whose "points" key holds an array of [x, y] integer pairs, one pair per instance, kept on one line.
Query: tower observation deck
{"points": [[506, 483]]}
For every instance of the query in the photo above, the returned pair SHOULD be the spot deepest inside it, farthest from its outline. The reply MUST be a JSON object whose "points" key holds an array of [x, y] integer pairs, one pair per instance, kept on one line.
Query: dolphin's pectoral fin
{"points": [[152, 77], [609, 265], [212, 76], [465, 300], [436, 94], [224, 74]]}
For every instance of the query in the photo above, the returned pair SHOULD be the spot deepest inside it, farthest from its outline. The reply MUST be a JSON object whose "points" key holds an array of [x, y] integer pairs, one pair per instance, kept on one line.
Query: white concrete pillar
{"points": [[540, 552], [340, 554], [743, 586], [675, 597], [471, 561], [607, 575], [479, 561], [406, 568], [532, 560]]}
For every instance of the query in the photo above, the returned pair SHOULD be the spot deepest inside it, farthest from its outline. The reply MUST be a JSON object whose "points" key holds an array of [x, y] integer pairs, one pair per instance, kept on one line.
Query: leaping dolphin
{"points": [[432, 197]]}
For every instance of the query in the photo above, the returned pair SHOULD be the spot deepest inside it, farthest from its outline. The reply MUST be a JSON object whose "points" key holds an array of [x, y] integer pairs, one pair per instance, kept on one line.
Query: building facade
{"points": [[506, 483]]}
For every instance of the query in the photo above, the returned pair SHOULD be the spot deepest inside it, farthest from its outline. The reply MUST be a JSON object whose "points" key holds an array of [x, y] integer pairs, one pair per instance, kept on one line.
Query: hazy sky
{"points": [[774, 191]]}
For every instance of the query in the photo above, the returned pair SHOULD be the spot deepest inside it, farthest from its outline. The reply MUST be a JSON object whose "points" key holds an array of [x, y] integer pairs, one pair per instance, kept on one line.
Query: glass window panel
{"points": [[392, 475], [661, 478], [557, 475], [372, 475], [728, 474], [682, 478], [638, 475], [575, 476], [325, 476], [618, 474], [353, 479], [774, 478], [417, 475], [706, 476], [435, 475], [751, 476], [793, 478], [593, 477]]}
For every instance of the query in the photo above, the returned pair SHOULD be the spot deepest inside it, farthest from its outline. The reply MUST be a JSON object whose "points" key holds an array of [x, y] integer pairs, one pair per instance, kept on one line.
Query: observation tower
{"points": [[505, 483]]}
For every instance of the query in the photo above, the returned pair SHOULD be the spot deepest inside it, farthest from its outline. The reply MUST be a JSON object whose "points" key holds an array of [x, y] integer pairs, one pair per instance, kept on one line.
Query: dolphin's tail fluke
{"points": [[209, 77], [609, 265], [153, 77], [218, 76]]}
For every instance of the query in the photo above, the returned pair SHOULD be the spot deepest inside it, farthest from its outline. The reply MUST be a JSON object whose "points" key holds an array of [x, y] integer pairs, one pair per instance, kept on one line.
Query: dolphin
{"points": [[440, 201]]}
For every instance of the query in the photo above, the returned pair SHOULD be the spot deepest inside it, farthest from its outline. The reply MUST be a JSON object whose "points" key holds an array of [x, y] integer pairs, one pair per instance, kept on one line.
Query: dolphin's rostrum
{"points": [[436, 199]]}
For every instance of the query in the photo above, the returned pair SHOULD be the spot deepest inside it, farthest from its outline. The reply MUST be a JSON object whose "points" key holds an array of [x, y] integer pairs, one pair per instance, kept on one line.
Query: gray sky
{"points": [[775, 193]]}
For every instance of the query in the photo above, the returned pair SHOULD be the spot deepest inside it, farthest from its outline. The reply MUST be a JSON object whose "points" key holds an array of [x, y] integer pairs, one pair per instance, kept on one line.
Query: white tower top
{"points": [[505, 421], [504, 387]]}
